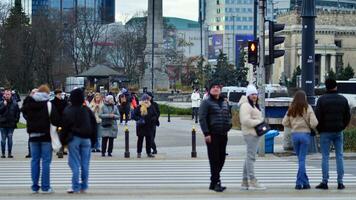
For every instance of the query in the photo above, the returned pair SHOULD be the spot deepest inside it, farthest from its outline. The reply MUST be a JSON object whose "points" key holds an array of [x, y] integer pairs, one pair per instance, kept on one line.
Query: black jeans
{"points": [[217, 155], [195, 112], [148, 139], [153, 144], [104, 144]]}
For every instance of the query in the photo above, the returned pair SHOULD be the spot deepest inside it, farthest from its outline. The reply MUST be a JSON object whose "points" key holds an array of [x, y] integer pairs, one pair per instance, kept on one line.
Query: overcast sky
{"points": [[187, 9]]}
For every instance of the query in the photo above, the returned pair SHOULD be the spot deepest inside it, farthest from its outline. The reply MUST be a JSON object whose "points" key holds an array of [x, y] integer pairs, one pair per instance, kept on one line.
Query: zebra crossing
{"points": [[163, 173]]}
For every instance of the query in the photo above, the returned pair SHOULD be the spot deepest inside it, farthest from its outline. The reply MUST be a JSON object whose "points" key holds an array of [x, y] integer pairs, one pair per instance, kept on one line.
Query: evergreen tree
{"points": [[15, 50], [348, 72], [331, 74], [297, 71], [225, 73]]}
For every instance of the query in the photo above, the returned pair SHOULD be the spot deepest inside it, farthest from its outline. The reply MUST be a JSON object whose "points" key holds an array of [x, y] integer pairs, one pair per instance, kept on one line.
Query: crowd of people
{"points": [[330, 117], [84, 123], [90, 124]]}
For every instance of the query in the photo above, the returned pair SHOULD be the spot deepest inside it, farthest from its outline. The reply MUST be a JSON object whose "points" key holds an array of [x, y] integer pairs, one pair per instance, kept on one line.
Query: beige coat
{"points": [[96, 108], [250, 117], [298, 124]]}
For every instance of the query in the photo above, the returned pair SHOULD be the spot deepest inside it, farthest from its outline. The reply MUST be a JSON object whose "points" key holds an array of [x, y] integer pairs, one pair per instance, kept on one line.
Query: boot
{"points": [[244, 184]]}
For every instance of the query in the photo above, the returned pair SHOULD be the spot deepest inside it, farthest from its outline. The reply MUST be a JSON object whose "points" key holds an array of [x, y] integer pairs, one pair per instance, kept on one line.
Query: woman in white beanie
{"points": [[250, 116], [108, 114]]}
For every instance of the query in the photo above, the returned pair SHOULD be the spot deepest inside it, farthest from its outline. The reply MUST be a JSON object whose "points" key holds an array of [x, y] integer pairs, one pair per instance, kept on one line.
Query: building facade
{"points": [[230, 23], [100, 10], [335, 43]]}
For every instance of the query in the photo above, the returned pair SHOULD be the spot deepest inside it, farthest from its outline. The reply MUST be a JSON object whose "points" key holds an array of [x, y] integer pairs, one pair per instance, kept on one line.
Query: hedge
{"points": [[174, 111], [350, 140]]}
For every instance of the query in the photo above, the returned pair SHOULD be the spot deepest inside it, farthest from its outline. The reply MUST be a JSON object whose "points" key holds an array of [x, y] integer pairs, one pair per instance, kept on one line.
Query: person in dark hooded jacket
{"points": [[79, 129], [36, 111]]}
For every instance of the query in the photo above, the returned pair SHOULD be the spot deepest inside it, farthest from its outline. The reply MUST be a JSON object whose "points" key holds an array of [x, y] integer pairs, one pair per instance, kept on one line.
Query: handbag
{"points": [[106, 123], [313, 131], [56, 143], [262, 128]]}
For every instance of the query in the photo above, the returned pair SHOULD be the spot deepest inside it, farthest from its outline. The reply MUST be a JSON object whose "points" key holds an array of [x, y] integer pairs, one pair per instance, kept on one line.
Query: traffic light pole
{"points": [[308, 49], [261, 70]]}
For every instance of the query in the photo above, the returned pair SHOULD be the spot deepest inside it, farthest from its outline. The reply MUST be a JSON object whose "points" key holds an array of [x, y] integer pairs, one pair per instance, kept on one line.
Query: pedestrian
{"points": [[124, 107], [108, 129], [206, 94], [9, 117], [333, 113], [146, 117], [25, 102], [301, 119], [96, 105], [60, 104], [38, 126], [195, 97], [134, 101], [215, 122], [250, 117], [156, 107], [80, 130]]}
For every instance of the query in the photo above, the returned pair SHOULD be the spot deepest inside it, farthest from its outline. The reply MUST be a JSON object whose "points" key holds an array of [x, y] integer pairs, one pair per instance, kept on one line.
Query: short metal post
{"points": [[194, 143], [127, 147], [169, 114]]}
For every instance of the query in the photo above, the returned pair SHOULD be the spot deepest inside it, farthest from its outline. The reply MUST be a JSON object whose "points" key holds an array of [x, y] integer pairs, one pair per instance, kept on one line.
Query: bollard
{"points": [[169, 114], [194, 143], [127, 150]]}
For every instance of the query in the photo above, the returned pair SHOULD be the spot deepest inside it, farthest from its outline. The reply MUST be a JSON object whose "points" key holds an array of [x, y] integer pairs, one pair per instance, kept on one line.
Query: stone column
{"points": [[333, 63], [323, 68], [160, 77]]}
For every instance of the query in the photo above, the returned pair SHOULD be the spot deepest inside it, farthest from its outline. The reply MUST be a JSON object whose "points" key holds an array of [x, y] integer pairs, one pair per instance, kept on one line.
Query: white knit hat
{"points": [[251, 89], [109, 98]]}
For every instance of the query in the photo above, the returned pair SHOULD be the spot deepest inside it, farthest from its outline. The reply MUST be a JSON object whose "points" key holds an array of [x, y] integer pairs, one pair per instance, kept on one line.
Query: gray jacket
{"points": [[105, 115]]}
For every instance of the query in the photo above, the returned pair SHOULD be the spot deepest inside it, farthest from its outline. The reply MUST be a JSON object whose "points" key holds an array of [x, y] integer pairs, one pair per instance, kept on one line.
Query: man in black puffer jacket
{"points": [[333, 113], [215, 122], [80, 124]]}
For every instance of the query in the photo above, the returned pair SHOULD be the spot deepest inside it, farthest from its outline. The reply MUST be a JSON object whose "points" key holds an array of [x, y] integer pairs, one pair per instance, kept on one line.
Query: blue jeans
{"points": [[6, 134], [41, 150], [301, 142], [337, 138], [78, 159]]}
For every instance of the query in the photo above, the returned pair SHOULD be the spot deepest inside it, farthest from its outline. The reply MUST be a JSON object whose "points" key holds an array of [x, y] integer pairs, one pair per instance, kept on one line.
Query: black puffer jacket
{"points": [[333, 112], [214, 116], [9, 114], [38, 119], [150, 120]]}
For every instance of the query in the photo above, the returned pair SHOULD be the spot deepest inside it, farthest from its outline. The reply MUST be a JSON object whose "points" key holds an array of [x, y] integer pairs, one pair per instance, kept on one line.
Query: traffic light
{"points": [[273, 41], [253, 52]]}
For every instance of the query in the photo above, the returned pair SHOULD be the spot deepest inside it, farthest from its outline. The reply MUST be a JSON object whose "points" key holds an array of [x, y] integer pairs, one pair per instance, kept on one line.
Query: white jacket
{"points": [[249, 117], [195, 100]]}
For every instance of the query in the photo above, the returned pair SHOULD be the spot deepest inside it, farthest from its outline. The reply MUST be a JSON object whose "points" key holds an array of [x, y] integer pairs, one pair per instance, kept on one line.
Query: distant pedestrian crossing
{"points": [[163, 173]]}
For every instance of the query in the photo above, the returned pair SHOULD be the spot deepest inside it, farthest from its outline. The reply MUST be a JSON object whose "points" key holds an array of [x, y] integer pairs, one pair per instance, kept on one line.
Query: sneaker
{"points": [[219, 188], [306, 187], [298, 187], [150, 155], [154, 152], [60, 155], [244, 184], [98, 150], [93, 150], [109, 154], [71, 191], [28, 156], [340, 186], [10, 156], [254, 185], [49, 191], [102, 155], [65, 153], [34, 192], [323, 186], [3, 156], [138, 155]]}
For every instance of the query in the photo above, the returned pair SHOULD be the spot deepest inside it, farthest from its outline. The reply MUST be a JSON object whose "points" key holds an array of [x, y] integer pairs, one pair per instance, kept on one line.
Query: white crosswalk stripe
{"points": [[168, 173]]}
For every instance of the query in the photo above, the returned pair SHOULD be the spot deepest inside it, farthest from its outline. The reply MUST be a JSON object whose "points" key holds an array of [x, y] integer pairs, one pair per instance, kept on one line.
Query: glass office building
{"points": [[101, 10]]}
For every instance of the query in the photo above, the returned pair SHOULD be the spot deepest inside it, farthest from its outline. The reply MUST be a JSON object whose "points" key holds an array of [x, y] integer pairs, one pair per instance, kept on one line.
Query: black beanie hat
{"points": [[77, 97], [330, 84], [214, 83]]}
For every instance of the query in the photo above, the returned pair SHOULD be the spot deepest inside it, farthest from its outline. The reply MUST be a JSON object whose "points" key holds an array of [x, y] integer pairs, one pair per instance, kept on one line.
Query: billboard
{"points": [[214, 46], [241, 43]]}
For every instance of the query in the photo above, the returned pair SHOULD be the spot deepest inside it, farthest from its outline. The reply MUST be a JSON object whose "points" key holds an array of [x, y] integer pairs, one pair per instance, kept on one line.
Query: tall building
{"points": [[282, 6], [230, 24], [103, 10]]}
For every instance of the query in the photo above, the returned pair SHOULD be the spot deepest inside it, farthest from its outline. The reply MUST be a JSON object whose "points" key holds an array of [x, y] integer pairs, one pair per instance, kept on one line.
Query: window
{"points": [[217, 2], [227, 1], [218, 10], [218, 19], [226, 10], [227, 27], [217, 28], [316, 41], [338, 43]]}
